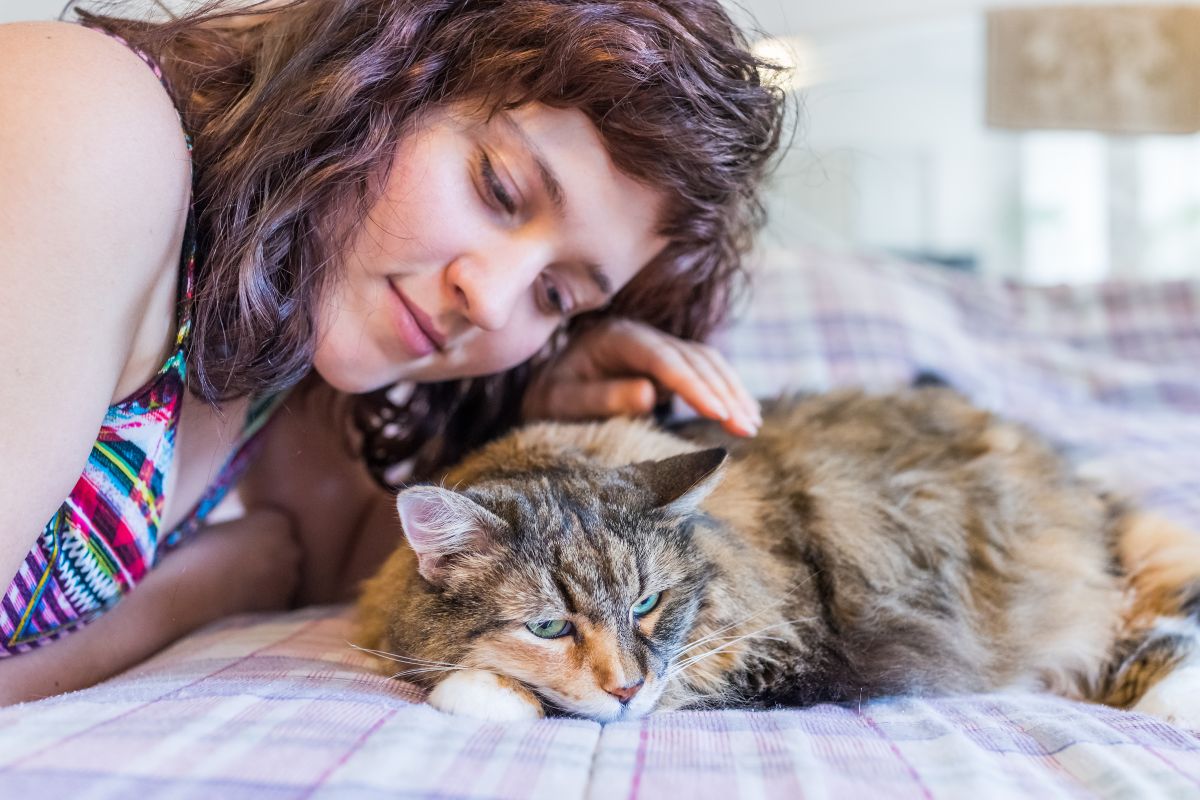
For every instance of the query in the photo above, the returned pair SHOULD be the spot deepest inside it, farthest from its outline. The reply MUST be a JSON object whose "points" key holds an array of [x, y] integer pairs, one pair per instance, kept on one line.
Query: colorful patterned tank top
{"points": [[106, 536]]}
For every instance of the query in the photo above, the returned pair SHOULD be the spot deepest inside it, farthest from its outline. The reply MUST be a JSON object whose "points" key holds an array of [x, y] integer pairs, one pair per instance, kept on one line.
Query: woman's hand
{"points": [[622, 367]]}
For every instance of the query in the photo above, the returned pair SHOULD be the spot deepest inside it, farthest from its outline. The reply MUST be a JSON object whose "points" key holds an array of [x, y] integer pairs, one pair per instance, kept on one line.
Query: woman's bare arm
{"points": [[344, 520], [93, 190], [247, 564]]}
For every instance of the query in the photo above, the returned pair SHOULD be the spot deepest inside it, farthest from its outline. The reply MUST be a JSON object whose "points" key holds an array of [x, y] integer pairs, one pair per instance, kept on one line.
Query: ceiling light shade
{"points": [[795, 56], [1118, 69]]}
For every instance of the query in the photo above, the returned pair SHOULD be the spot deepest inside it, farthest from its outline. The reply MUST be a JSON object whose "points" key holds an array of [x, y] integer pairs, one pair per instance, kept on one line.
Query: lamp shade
{"points": [[1118, 69]]}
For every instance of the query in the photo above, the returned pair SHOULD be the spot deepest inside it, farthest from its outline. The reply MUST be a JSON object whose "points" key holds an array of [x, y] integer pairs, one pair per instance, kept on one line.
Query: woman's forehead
{"points": [[603, 223], [609, 212]]}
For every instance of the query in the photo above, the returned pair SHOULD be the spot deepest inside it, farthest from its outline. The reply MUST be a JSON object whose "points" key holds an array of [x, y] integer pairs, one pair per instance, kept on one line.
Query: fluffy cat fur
{"points": [[858, 546]]}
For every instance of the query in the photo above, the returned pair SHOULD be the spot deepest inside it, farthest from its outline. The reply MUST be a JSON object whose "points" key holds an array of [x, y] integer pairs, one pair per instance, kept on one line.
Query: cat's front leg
{"points": [[1176, 699], [485, 695], [1170, 660]]}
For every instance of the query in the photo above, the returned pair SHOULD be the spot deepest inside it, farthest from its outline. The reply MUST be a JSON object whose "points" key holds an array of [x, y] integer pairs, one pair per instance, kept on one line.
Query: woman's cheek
{"points": [[516, 344]]}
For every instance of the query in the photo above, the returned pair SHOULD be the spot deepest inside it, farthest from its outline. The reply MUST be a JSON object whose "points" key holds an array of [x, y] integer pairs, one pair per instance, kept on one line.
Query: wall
{"points": [[893, 154], [18, 10]]}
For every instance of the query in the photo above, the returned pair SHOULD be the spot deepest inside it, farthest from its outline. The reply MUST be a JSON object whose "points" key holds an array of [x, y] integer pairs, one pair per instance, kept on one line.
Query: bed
{"points": [[281, 706]]}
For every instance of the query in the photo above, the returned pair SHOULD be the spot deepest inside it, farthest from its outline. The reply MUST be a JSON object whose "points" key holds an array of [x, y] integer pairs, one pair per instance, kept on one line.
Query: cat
{"points": [[861, 545]]}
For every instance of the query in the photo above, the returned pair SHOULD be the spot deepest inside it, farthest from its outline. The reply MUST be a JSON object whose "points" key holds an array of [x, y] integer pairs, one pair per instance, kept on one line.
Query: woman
{"points": [[517, 209]]}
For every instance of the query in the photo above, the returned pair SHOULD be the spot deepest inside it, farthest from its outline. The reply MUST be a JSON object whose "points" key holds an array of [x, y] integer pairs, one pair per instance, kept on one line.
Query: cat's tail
{"points": [[1156, 664]]}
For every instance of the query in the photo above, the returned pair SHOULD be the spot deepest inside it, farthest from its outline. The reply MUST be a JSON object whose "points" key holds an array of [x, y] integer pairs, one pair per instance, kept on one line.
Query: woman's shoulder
{"points": [[94, 191], [89, 111], [95, 181]]}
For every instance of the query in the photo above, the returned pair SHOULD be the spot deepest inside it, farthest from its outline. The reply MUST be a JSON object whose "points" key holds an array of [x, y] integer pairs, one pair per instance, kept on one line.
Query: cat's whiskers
{"points": [[768, 607], [424, 670], [717, 633], [735, 637], [684, 665], [687, 662], [714, 636], [416, 662], [398, 657]]}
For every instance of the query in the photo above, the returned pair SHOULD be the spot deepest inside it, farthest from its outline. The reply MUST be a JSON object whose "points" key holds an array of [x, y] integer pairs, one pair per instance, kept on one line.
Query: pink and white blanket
{"points": [[280, 706]]}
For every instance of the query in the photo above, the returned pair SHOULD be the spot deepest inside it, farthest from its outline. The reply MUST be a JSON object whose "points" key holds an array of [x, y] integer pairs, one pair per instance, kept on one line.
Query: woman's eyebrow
{"points": [[597, 276], [550, 182], [554, 190]]}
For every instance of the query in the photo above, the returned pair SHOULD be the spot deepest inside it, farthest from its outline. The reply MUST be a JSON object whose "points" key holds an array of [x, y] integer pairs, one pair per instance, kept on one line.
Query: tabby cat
{"points": [[859, 546]]}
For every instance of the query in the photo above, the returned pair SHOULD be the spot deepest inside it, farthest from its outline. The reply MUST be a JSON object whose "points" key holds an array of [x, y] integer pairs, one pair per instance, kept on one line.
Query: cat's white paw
{"points": [[1175, 698], [484, 695]]}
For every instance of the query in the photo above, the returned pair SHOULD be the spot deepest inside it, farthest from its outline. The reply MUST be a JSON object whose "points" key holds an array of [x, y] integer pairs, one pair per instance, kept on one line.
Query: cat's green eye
{"points": [[646, 605], [550, 628]]}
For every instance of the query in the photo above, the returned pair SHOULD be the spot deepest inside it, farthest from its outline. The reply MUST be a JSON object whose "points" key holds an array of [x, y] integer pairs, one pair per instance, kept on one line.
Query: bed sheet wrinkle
{"points": [[280, 706]]}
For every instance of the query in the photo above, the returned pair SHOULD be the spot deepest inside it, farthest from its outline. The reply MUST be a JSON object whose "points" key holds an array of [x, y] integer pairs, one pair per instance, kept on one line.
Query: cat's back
{"points": [[919, 468], [890, 444], [935, 527], [931, 426]]}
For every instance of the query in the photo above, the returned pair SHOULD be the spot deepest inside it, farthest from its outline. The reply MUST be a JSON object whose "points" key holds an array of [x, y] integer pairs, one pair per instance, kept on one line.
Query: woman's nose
{"points": [[490, 285]]}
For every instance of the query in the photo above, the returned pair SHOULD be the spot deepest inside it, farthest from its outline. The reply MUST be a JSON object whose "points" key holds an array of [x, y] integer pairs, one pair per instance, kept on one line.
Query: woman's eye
{"points": [[495, 186], [550, 628], [646, 605], [555, 299]]}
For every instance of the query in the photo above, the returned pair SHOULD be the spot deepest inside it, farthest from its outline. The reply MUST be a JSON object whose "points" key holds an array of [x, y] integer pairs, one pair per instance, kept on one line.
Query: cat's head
{"points": [[581, 582]]}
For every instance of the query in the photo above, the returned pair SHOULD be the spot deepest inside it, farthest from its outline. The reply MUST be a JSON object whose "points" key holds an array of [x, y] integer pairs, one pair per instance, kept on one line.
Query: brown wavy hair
{"points": [[295, 107]]}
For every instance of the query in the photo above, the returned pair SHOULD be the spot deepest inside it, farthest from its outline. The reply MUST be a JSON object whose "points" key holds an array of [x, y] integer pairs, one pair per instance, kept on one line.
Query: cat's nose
{"points": [[626, 693]]}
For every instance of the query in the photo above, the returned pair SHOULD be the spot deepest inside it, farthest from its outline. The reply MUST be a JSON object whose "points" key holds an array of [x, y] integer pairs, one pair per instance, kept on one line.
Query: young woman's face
{"points": [[488, 235]]}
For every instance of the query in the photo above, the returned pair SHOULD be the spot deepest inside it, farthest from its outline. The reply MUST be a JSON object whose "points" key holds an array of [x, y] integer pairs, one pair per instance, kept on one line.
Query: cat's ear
{"points": [[438, 523], [680, 483]]}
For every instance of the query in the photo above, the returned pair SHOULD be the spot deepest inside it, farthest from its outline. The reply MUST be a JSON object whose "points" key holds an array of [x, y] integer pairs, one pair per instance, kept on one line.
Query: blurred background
{"points": [[1029, 141]]}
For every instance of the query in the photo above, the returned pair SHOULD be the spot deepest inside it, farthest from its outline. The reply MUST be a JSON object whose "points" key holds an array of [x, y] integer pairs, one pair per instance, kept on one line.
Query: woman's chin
{"points": [[352, 377]]}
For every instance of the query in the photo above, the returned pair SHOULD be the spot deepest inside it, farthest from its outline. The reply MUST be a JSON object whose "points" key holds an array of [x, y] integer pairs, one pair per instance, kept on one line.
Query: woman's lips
{"points": [[414, 327], [426, 323]]}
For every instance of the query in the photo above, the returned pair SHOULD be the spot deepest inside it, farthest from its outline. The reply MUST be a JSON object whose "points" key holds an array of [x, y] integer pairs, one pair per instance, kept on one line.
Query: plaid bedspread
{"points": [[282, 707]]}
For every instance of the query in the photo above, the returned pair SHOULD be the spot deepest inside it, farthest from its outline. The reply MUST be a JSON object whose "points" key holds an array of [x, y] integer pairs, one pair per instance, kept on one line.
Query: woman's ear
{"points": [[439, 523]]}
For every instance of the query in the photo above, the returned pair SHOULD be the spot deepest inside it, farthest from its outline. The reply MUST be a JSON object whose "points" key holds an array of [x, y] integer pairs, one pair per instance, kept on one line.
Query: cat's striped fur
{"points": [[858, 546]]}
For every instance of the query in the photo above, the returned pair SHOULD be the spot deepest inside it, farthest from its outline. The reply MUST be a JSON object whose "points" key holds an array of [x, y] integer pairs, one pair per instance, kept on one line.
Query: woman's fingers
{"points": [[696, 372], [672, 369], [583, 400], [624, 348], [708, 373], [751, 411], [617, 368]]}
